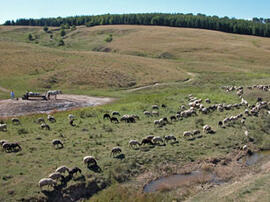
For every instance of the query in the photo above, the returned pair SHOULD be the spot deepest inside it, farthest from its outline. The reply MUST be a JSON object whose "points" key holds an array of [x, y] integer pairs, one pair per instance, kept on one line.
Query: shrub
{"points": [[61, 42], [109, 38]]}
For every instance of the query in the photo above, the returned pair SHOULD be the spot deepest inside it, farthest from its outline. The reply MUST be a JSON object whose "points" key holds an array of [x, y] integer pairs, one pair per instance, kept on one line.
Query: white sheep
{"points": [[246, 133], [187, 133], [157, 140], [147, 113], [47, 182], [3, 127], [71, 117], [57, 143], [89, 160], [15, 121], [51, 118], [56, 176], [133, 143], [62, 169]]}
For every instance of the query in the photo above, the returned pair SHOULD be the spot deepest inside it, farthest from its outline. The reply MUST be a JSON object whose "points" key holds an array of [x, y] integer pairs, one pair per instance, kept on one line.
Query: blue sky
{"points": [[14, 9]]}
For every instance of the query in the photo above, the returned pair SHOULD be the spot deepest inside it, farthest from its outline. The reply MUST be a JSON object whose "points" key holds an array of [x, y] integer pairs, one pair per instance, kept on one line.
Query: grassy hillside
{"points": [[136, 56]]}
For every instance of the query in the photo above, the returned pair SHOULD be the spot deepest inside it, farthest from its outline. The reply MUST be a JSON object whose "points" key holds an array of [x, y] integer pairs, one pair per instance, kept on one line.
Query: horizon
{"points": [[37, 10]]}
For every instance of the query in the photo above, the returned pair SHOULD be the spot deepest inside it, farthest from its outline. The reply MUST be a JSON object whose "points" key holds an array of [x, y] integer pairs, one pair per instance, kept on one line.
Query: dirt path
{"points": [[192, 75], [10, 108]]}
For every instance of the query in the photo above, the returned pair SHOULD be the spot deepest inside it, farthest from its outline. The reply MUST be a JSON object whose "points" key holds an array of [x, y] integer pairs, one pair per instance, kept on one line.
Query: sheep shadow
{"points": [[58, 148], [80, 178], [175, 142], [95, 168], [13, 150], [120, 156]]}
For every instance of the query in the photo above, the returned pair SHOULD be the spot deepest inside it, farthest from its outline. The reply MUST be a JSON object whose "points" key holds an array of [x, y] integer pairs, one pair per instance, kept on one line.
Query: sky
{"points": [[244, 9]]}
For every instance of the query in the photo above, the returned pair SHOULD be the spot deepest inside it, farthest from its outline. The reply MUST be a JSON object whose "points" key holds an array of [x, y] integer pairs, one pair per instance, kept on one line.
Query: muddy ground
{"points": [[11, 108]]}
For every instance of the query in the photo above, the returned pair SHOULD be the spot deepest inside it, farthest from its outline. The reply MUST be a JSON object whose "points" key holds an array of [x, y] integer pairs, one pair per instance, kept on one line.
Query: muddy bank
{"points": [[10, 108]]}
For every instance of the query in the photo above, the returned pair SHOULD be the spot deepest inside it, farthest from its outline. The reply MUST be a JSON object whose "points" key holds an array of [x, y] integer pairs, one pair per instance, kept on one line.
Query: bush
{"points": [[109, 38], [61, 42], [30, 37], [62, 32], [45, 28]]}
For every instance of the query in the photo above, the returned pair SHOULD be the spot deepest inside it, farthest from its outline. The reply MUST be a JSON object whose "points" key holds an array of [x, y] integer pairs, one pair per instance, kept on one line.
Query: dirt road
{"points": [[11, 108]]}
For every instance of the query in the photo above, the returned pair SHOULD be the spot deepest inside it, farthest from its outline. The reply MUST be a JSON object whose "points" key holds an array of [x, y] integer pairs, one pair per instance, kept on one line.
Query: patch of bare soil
{"points": [[9, 108]]}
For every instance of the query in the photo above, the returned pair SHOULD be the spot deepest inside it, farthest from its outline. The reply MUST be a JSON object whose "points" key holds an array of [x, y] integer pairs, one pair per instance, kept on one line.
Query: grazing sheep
{"points": [[155, 113], [187, 133], [169, 137], [106, 116], [163, 106], [71, 117], [9, 147], [115, 113], [56, 175], [115, 150], [51, 118], [150, 137], [220, 123], [90, 161], [244, 147], [62, 169], [246, 133], [71, 122], [2, 142], [41, 120], [207, 100], [129, 118], [133, 143], [114, 120], [173, 118], [147, 113], [196, 132], [147, 141], [45, 126], [75, 170], [15, 121], [157, 140], [155, 107], [207, 129], [47, 182], [57, 143], [3, 127]]}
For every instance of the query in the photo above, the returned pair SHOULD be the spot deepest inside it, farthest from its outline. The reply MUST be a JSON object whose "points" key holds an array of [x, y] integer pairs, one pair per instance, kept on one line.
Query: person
{"points": [[12, 95]]}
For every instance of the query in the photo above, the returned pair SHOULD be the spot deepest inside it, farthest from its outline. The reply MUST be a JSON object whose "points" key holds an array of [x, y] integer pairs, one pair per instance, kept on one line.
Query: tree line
{"points": [[256, 26]]}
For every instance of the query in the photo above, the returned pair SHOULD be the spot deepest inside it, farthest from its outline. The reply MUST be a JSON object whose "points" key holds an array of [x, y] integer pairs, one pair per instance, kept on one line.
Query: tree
{"points": [[45, 28]]}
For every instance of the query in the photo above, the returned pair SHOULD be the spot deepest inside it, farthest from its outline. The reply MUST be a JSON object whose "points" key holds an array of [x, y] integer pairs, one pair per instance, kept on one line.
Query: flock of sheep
{"points": [[194, 107]]}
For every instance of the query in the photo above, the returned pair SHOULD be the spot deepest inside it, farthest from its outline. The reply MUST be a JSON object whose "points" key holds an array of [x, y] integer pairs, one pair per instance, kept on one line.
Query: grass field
{"points": [[137, 56]]}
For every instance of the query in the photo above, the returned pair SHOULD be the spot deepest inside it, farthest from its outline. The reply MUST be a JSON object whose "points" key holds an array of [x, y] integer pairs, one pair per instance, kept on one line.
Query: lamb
{"points": [[157, 140], [62, 169], [3, 127], [15, 121], [56, 175], [57, 143], [47, 182], [51, 118], [133, 143], [115, 150], [90, 161], [45, 126], [75, 170]]}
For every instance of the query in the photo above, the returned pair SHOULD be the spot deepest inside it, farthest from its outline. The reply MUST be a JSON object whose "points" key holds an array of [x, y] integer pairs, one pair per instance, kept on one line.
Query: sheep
{"points": [[115, 113], [207, 100], [150, 137], [75, 170], [2, 142], [106, 116], [90, 161], [155, 113], [56, 176], [157, 140], [155, 107], [187, 133], [41, 120], [133, 143], [71, 122], [15, 121], [114, 119], [115, 150], [9, 147], [47, 182], [207, 129], [246, 133], [173, 118], [196, 132], [57, 142], [71, 117], [147, 113], [62, 169], [244, 147], [45, 126], [163, 106], [169, 137], [3, 127], [51, 118], [220, 123], [146, 141]]}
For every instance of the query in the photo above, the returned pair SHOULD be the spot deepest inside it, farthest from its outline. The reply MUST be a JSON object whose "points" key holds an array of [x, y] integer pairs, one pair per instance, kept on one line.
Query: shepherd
{"points": [[12, 95]]}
